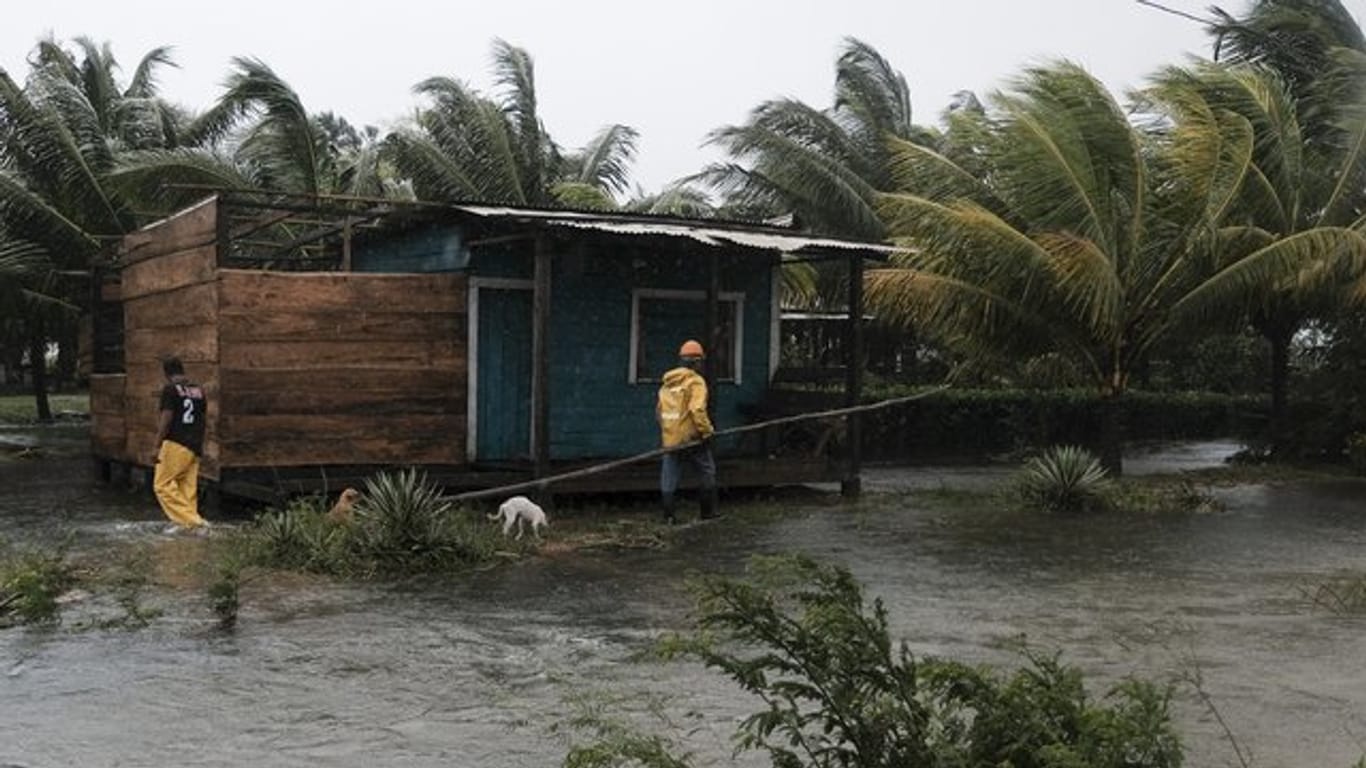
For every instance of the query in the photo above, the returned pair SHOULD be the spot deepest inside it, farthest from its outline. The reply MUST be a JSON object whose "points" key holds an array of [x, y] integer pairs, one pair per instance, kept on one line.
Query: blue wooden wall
{"points": [[594, 410]]}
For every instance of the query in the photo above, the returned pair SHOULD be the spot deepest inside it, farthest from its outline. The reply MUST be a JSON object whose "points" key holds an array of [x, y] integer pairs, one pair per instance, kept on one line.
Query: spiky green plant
{"points": [[1065, 478], [404, 524]]}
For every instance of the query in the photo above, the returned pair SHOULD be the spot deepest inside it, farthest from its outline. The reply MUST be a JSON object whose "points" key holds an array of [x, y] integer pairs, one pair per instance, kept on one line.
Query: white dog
{"points": [[519, 509]]}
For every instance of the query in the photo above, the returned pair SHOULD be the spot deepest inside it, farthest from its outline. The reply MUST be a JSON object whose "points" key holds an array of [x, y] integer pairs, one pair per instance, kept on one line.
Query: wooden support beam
{"points": [[713, 310], [346, 244], [852, 485], [540, 358]]}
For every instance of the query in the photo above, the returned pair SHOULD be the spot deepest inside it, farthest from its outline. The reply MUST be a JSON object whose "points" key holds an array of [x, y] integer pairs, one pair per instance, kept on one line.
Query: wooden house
{"points": [[484, 343]]}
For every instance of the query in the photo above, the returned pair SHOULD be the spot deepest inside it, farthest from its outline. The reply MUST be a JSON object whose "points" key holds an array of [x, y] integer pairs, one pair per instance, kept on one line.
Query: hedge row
{"points": [[980, 423]]}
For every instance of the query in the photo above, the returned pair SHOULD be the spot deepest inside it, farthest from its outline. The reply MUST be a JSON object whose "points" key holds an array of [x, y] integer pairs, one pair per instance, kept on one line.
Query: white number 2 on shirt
{"points": [[187, 416]]}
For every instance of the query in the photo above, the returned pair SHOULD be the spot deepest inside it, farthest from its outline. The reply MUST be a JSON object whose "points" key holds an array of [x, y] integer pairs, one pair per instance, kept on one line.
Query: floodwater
{"points": [[480, 672]]}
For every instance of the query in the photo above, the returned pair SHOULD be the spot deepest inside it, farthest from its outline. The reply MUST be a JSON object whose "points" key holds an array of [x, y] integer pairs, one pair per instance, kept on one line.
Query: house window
{"points": [[662, 320]]}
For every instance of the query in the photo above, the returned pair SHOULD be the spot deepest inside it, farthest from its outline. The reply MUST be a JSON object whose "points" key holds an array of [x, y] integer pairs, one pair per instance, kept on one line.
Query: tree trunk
{"points": [[37, 359], [68, 356], [1112, 433], [1279, 338]]}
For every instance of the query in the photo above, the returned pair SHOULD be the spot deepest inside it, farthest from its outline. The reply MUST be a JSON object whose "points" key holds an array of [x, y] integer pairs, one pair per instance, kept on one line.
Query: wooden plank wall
{"points": [[342, 368], [170, 307], [108, 436]]}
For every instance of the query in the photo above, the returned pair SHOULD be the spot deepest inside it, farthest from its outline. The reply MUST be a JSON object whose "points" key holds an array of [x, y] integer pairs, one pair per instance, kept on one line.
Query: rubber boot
{"points": [[668, 507], [707, 498]]}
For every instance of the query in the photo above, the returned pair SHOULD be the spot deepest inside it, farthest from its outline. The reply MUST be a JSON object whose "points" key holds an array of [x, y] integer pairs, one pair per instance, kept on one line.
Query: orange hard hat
{"points": [[691, 348]]}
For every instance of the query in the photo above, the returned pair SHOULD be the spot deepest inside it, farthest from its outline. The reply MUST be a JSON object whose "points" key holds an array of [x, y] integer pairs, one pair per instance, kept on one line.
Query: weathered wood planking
{"points": [[259, 292], [347, 400], [310, 451], [351, 325], [170, 307], [190, 305], [340, 427], [108, 433], [169, 272], [342, 378], [189, 229], [435, 355], [342, 368]]}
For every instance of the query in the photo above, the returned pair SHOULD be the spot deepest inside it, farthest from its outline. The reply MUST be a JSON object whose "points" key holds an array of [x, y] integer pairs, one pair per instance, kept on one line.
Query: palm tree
{"points": [[1315, 46], [259, 135], [826, 166], [1279, 186], [1050, 224], [55, 151], [467, 146]]}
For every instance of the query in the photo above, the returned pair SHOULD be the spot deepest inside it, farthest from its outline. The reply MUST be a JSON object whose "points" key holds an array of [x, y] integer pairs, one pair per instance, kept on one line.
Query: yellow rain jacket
{"points": [[682, 408]]}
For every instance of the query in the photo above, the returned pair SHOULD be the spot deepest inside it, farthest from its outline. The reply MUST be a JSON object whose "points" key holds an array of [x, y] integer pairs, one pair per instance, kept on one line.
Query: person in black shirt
{"points": [[180, 441]]}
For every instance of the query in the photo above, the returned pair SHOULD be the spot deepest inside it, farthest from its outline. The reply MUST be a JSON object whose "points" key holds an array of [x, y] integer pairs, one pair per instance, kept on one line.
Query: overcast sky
{"points": [[672, 70]]}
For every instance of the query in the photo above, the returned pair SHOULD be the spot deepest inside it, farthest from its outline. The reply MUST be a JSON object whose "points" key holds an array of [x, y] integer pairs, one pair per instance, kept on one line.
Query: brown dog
{"points": [[340, 513]]}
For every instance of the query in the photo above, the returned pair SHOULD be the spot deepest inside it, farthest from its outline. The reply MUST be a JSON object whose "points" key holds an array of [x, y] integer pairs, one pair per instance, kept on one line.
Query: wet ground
{"points": [[478, 672]]}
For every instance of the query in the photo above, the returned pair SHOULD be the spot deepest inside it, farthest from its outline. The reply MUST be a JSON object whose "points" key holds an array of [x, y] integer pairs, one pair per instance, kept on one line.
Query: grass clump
{"points": [[402, 525], [1064, 479], [30, 585]]}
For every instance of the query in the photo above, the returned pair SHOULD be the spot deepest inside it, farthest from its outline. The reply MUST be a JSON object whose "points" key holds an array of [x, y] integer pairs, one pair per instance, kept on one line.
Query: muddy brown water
{"points": [[478, 672]]}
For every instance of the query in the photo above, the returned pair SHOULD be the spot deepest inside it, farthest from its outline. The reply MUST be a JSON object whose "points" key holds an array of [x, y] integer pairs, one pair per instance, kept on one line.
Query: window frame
{"points": [[737, 298]]}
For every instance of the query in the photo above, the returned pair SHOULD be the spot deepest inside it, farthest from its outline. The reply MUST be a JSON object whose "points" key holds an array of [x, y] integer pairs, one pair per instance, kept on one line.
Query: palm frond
{"points": [[605, 162], [871, 96], [1301, 262], [285, 141], [1086, 277], [150, 176], [143, 85], [583, 197], [926, 173]]}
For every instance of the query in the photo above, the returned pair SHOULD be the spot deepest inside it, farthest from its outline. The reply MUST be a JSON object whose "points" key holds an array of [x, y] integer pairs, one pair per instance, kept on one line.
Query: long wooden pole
{"points": [[614, 464], [853, 385], [540, 359]]}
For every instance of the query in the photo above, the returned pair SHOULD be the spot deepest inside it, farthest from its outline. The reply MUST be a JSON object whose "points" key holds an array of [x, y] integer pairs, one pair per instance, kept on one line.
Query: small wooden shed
{"points": [[486, 344]]}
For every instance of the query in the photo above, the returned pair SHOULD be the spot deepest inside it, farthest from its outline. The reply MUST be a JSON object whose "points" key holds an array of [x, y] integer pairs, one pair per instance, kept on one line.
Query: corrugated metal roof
{"points": [[757, 237]]}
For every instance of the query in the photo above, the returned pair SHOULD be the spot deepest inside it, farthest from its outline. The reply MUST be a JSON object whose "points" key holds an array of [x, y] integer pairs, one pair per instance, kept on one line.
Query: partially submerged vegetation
{"points": [[834, 689], [31, 584], [402, 525], [1069, 480]]}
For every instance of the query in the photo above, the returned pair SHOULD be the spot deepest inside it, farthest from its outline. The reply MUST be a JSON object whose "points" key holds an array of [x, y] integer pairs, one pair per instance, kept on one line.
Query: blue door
{"points": [[504, 378]]}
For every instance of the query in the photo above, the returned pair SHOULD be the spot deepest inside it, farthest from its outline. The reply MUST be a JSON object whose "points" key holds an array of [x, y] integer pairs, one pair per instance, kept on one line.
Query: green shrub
{"points": [[401, 525], [981, 423], [836, 690], [301, 538], [30, 584], [1064, 479]]}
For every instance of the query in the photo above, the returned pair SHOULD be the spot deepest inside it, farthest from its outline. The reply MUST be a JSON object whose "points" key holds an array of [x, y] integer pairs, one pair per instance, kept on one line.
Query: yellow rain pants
{"points": [[177, 484]]}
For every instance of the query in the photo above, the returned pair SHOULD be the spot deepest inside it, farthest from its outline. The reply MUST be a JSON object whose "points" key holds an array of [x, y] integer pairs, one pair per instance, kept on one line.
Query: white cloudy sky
{"points": [[673, 70]]}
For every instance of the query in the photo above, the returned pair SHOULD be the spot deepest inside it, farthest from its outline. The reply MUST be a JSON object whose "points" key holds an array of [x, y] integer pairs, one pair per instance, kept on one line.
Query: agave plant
{"points": [[405, 524], [1065, 478]]}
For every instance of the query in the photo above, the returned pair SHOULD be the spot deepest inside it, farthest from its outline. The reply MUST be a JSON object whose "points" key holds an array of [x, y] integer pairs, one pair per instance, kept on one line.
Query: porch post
{"points": [[540, 362], [852, 485], [712, 314]]}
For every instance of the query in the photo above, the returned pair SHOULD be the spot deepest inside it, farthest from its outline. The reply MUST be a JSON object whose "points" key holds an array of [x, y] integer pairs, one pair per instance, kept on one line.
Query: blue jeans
{"points": [[670, 469]]}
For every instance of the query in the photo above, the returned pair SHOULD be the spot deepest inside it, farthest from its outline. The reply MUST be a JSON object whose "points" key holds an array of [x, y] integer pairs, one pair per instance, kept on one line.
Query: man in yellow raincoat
{"points": [[682, 415]]}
